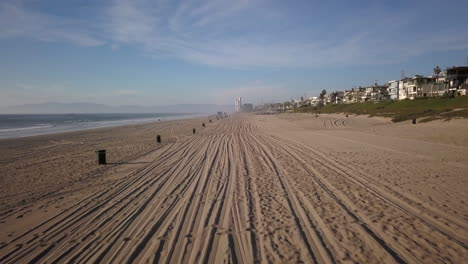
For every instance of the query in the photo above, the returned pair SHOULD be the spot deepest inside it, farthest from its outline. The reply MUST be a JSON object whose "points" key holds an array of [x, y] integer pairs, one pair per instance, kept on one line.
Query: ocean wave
{"points": [[58, 124], [26, 128]]}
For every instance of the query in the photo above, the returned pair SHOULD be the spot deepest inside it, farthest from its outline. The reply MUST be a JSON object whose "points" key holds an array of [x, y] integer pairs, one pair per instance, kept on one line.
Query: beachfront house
{"points": [[411, 88], [346, 96], [403, 88], [328, 99], [375, 93], [339, 96], [351, 96], [366, 97], [442, 77], [335, 97], [457, 78], [441, 85], [354, 95], [393, 89], [419, 86], [314, 101], [438, 89], [358, 94], [427, 88], [297, 102]]}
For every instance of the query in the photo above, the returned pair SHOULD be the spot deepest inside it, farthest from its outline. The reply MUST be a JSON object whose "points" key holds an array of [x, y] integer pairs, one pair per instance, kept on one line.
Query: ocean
{"points": [[19, 125]]}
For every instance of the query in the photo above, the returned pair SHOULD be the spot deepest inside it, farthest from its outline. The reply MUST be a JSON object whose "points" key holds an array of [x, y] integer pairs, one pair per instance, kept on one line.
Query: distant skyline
{"points": [[141, 52]]}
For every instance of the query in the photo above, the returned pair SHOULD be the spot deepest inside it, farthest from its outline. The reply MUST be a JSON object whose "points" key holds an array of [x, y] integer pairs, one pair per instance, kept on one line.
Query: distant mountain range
{"points": [[84, 108]]}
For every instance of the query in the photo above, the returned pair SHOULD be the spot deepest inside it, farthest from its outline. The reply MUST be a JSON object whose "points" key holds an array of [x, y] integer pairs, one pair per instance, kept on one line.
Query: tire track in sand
{"points": [[403, 242], [235, 193]]}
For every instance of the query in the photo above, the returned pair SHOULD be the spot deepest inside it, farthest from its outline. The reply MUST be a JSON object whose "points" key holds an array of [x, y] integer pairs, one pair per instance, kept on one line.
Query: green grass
{"points": [[447, 116], [401, 110]]}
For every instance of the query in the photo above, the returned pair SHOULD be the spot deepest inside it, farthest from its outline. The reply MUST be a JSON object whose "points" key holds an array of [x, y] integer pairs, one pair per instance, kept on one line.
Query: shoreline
{"points": [[54, 160], [53, 129]]}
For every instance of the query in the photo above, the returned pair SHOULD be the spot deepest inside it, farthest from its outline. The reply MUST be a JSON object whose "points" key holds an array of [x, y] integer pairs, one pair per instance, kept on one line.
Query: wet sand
{"points": [[273, 189]]}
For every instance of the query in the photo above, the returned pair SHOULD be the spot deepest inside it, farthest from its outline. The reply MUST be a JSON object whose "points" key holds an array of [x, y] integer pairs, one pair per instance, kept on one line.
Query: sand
{"points": [[287, 188]]}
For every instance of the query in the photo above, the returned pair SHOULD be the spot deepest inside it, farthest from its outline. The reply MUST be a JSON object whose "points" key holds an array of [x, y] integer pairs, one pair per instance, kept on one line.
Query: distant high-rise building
{"points": [[247, 107], [238, 104]]}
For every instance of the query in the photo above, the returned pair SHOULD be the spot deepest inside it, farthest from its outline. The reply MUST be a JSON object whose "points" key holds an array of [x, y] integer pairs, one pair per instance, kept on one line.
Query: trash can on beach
{"points": [[101, 155]]}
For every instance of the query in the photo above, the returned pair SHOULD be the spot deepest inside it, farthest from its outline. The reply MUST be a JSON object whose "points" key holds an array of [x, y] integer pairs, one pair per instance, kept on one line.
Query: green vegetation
{"points": [[463, 113], [429, 108]]}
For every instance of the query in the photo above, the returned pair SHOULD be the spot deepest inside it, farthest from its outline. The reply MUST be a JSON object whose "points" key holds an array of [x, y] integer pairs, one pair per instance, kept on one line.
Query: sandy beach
{"points": [[289, 188]]}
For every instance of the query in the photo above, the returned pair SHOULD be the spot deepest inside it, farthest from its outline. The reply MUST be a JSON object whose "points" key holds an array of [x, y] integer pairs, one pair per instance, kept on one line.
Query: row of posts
{"points": [[101, 154]]}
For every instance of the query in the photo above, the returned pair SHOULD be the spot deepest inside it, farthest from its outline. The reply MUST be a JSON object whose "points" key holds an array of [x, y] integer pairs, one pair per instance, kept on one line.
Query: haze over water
{"points": [[12, 126]]}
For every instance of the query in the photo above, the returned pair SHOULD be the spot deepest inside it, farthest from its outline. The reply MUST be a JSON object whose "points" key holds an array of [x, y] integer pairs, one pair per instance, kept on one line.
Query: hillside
{"points": [[428, 109]]}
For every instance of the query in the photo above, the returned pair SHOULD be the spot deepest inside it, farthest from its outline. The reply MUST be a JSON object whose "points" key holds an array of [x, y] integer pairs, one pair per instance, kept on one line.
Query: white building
{"points": [[403, 89], [314, 100], [393, 89], [238, 104]]}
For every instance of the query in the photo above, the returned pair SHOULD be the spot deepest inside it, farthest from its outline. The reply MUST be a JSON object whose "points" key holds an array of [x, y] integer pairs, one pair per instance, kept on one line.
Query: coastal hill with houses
{"points": [[451, 82]]}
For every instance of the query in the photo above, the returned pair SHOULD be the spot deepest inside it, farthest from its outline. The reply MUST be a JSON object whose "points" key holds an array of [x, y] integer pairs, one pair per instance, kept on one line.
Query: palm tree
{"points": [[437, 71], [322, 96]]}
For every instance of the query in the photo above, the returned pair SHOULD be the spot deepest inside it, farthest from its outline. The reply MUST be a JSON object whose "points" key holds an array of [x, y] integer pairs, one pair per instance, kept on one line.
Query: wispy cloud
{"points": [[19, 21], [245, 33], [214, 33]]}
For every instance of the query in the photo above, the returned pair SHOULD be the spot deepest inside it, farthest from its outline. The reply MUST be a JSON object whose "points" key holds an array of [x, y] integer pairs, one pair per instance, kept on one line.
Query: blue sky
{"points": [[145, 52]]}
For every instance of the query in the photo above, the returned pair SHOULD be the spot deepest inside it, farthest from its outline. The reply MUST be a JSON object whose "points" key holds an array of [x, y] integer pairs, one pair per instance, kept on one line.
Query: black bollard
{"points": [[203, 124], [210, 120], [194, 130], [414, 121], [346, 116], [101, 157], [158, 139]]}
